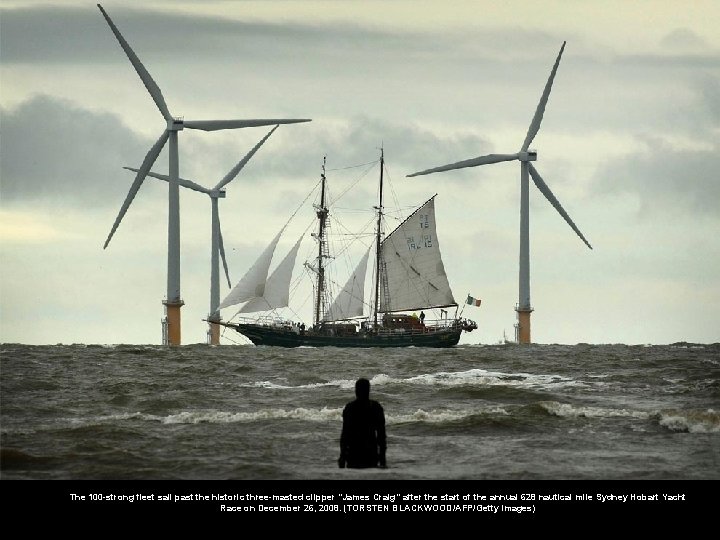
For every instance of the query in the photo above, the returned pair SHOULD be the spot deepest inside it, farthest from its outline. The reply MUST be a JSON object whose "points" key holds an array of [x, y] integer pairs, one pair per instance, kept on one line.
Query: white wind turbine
{"points": [[173, 301], [525, 156], [217, 250]]}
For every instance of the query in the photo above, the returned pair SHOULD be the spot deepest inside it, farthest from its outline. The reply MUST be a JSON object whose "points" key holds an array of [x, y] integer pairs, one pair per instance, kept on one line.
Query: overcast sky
{"points": [[628, 144]]}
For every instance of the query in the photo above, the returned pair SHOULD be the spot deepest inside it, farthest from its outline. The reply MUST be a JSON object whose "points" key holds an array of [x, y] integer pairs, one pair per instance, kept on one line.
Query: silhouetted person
{"points": [[362, 441]]}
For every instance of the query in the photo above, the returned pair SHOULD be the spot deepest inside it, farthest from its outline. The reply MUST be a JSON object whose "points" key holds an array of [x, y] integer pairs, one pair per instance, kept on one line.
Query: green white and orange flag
{"points": [[473, 301]]}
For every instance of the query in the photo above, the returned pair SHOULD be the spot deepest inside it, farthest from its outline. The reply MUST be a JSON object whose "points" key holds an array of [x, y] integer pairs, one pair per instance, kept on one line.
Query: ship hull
{"points": [[281, 337]]}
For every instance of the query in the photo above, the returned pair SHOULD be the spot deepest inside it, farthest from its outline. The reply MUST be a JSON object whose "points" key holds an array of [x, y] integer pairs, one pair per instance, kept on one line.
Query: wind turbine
{"points": [[173, 300], [524, 156], [217, 250]]}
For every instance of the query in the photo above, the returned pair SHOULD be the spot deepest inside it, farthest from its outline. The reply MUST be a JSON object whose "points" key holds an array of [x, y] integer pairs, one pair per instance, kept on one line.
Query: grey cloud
{"points": [[675, 94], [683, 39], [407, 147], [669, 179], [679, 61], [54, 150], [48, 34], [334, 68], [709, 90], [666, 181], [56, 34]]}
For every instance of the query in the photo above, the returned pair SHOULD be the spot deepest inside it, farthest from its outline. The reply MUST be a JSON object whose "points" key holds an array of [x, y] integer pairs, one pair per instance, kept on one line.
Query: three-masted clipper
{"points": [[409, 276]]}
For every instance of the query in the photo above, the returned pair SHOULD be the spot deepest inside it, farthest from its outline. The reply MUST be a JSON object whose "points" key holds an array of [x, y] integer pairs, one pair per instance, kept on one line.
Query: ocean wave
{"points": [[75, 423], [690, 421], [224, 417], [435, 416], [345, 384], [481, 377], [473, 377], [573, 411]]}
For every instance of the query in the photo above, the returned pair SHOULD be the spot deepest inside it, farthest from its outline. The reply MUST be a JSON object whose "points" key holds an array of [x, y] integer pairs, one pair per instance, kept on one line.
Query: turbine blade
{"points": [[214, 125], [147, 80], [222, 255], [185, 183], [142, 172], [537, 119], [545, 190], [482, 160], [229, 177]]}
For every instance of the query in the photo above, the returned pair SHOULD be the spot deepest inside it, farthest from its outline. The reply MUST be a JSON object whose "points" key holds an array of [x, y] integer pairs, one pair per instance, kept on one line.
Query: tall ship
{"points": [[408, 279]]}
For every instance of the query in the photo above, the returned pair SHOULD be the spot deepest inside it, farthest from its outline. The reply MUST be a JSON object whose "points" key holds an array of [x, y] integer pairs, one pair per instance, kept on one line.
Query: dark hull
{"points": [[280, 337]]}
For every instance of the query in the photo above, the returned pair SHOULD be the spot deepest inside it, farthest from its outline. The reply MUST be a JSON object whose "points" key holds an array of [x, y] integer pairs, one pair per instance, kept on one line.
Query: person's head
{"points": [[362, 389]]}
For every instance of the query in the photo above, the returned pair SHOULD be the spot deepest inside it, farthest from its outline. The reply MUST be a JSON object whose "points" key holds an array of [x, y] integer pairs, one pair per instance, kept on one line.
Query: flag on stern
{"points": [[473, 301]]}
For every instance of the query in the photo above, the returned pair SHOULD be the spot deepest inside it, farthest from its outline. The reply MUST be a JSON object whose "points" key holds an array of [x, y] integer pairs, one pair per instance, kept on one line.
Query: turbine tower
{"points": [[173, 300], [217, 250], [524, 156]]}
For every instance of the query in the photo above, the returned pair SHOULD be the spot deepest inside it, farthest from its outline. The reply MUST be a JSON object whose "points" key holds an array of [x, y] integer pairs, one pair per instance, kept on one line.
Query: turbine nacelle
{"points": [[217, 193], [176, 124], [530, 155]]}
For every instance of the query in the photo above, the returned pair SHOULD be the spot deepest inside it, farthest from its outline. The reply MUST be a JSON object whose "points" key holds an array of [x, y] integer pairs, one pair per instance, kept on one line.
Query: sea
{"points": [[465, 423]]}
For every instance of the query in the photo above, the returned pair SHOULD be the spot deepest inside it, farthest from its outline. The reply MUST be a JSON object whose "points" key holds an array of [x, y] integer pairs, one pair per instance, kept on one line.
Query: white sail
{"points": [[277, 287], [252, 284], [411, 268], [349, 303]]}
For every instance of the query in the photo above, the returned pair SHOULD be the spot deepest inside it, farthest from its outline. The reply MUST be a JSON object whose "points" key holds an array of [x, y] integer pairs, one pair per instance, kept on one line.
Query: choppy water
{"points": [[583, 412]]}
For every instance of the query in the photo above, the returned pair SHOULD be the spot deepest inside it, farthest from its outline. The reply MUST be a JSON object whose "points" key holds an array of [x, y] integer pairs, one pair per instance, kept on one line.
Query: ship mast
{"points": [[322, 214], [377, 239]]}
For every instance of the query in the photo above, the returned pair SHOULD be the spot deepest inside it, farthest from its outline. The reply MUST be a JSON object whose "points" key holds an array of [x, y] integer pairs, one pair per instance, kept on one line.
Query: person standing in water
{"points": [[363, 440]]}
